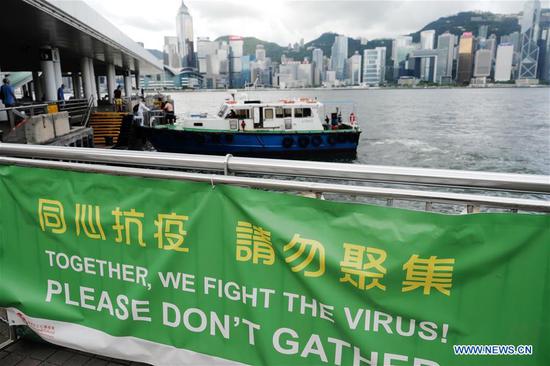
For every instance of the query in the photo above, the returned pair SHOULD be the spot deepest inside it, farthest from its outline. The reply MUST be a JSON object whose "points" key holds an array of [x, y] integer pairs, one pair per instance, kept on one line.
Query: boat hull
{"points": [[253, 143]]}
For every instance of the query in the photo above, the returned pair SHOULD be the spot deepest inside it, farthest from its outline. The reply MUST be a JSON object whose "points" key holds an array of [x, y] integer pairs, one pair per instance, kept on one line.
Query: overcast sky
{"points": [[285, 21]]}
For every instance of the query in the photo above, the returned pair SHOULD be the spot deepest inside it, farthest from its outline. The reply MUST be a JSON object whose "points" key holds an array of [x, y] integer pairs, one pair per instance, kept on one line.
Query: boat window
{"points": [[238, 114], [231, 115], [222, 110], [243, 113], [268, 113], [287, 113], [302, 112], [279, 112]]}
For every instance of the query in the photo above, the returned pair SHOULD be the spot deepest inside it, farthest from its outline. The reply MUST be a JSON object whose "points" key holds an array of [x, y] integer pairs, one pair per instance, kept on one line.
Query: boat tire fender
{"points": [[316, 141], [200, 139], [288, 142], [331, 140], [303, 141]]}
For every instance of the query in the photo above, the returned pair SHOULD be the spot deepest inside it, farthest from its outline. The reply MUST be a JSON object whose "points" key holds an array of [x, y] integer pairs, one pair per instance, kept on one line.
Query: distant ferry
{"points": [[286, 128]]}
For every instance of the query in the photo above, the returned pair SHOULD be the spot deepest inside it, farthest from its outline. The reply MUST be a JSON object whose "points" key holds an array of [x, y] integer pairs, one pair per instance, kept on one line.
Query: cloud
{"points": [[286, 21]]}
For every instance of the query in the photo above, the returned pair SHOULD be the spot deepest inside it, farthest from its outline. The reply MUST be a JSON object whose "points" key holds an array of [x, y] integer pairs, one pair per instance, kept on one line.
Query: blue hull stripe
{"points": [[182, 141]]}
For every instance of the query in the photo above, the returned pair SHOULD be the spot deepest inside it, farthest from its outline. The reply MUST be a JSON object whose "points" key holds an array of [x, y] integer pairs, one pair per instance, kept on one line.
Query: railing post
{"points": [[471, 209], [226, 165], [429, 206], [11, 117]]}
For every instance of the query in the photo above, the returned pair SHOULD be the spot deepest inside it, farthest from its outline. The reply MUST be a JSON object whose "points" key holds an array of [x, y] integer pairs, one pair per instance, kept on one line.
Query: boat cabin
{"points": [[251, 115]]}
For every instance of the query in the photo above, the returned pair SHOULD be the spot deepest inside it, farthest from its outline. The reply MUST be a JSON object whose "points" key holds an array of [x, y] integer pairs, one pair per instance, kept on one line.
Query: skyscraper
{"points": [[354, 69], [503, 65], [529, 36], [483, 30], [427, 42], [465, 58], [184, 28], [401, 46], [545, 74], [374, 66], [260, 52], [235, 66], [446, 44], [339, 55], [317, 59], [171, 54], [483, 62]]}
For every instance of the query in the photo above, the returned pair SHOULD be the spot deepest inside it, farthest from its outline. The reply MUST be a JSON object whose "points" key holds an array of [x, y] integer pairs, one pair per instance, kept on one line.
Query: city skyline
{"points": [[281, 22], [465, 58]]}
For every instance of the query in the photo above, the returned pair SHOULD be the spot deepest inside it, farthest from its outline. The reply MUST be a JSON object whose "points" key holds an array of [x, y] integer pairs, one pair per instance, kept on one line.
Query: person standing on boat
{"points": [[169, 112], [7, 94], [140, 110]]}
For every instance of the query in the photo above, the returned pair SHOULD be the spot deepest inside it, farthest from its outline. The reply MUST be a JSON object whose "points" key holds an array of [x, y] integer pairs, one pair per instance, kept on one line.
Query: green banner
{"points": [[172, 273]]}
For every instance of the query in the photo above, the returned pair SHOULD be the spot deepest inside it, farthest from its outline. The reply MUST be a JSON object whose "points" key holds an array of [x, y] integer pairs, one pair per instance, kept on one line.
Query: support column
{"points": [[111, 81], [93, 80], [48, 73], [98, 86], [128, 83], [86, 79], [77, 86], [138, 86], [37, 85], [57, 67]]}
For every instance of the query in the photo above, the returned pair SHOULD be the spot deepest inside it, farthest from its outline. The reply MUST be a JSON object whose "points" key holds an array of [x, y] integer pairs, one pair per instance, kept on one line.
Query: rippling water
{"points": [[500, 130]]}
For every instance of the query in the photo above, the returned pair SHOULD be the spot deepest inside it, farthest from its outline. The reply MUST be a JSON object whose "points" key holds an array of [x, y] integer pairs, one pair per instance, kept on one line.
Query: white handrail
{"points": [[294, 168]]}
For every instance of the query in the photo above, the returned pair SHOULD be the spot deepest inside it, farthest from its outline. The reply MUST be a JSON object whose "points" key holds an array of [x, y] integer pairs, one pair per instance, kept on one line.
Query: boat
{"points": [[285, 128]]}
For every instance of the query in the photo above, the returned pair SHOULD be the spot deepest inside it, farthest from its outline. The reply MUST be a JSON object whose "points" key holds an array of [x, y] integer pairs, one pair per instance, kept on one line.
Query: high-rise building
{"points": [[305, 74], [483, 63], [427, 42], [465, 58], [317, 60], [261, 70], [354, 69], [171, 54], [401, 47], [529, 36], [483, 30], [545, 75], [374, 66], [184, 28], [339, 55], [503, 65], [446, 45], [205, 47], [220, 62], [260, 52], [235, 65]]}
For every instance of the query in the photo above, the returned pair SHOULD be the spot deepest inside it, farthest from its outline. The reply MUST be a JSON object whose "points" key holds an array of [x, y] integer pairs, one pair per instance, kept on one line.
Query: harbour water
{"points": [[497, 130]]}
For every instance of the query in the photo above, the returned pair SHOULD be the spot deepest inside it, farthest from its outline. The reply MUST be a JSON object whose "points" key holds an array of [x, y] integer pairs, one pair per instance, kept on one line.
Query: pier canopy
{"points": [[73, 28]]}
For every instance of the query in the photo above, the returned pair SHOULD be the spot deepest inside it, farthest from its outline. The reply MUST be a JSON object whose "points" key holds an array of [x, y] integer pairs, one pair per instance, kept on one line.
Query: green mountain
{"points": [[457, 24], [470, 21], [272, 49]]}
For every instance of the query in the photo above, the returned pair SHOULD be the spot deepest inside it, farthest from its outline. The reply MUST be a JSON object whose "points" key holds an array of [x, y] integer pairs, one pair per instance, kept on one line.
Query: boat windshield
{"points": [[223, 109]]}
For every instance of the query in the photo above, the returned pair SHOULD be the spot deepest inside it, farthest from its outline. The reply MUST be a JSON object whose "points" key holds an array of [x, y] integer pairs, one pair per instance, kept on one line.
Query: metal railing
{"points": [[23, 112], [153, 118], [430, 186], [78, 109]]}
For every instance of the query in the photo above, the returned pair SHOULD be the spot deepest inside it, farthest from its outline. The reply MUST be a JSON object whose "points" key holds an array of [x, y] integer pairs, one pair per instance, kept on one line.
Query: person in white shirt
{"points": [[141, 109]]}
